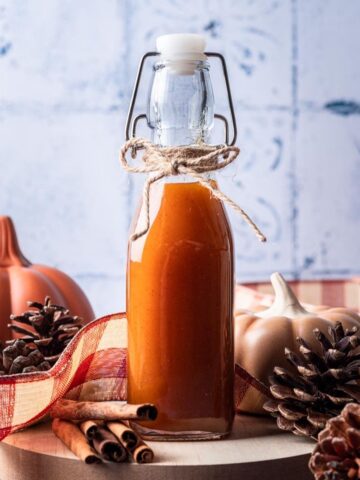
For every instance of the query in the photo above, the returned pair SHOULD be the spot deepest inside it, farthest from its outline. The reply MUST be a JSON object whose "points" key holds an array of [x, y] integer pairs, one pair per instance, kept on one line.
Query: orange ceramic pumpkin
{"points": [[21, 281], [261, 337]]}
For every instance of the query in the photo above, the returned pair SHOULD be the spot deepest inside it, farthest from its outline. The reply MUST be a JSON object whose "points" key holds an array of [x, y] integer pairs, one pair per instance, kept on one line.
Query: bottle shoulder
{"points": [[183, 214]]}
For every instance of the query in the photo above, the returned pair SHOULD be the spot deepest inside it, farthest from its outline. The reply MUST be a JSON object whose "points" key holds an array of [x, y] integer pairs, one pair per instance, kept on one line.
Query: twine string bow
{"points": [[194, 161]]}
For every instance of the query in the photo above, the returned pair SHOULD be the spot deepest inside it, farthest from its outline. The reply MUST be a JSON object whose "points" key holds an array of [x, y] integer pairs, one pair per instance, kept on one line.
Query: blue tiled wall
{"points": [[66, 73]]}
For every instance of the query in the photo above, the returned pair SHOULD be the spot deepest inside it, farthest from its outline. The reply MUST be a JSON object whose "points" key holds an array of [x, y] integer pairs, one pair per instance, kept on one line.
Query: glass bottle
{"points": [[180, 274]]}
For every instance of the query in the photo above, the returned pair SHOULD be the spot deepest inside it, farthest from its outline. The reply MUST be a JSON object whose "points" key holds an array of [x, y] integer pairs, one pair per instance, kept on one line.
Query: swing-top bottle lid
{"points": [[181, 48]]}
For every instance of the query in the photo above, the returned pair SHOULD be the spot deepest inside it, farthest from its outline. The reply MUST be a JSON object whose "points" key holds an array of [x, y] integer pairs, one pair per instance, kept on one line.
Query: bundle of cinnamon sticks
{"points": [[98, 431]]}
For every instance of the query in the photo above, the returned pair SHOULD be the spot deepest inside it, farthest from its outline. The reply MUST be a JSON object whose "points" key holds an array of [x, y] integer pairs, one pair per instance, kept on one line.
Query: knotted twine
{"points": [[194, 161]]}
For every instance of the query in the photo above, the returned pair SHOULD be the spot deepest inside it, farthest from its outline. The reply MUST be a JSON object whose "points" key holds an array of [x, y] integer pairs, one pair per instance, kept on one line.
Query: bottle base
{"points": [[176, 436]]}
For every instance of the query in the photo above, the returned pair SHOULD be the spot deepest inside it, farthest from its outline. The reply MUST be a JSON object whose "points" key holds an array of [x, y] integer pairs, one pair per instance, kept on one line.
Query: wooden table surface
{"points": [[256, 450]]}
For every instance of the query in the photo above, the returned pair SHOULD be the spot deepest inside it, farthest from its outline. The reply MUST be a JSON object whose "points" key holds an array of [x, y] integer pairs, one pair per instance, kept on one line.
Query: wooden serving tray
{"points": [[255, 450]]}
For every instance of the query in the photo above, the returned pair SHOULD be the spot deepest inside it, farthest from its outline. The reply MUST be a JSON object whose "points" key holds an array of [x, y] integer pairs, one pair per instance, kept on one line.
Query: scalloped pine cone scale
{"points": [[48, 327], [19, 358], [316, 388], [337, 454]]}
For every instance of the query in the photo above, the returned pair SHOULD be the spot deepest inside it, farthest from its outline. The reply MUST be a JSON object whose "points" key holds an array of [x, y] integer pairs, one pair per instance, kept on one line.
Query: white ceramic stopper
{"points": [[182, 50]]}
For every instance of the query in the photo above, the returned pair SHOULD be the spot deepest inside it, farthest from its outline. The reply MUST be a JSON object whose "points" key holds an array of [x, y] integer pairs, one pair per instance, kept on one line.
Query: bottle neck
{"points": [[181, 104]]}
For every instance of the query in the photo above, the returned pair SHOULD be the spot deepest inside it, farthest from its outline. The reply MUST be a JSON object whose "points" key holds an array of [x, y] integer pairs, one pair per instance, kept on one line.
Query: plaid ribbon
{"points": [[93, 367]]}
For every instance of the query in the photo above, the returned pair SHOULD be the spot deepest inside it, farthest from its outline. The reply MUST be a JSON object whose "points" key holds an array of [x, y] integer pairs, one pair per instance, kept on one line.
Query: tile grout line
{"points": [[127, 33], [294, 125]]}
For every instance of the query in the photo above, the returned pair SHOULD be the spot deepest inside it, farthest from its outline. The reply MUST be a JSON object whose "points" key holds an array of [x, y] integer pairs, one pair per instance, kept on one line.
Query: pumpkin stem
{"points": [[10, 253], [285, 303]]}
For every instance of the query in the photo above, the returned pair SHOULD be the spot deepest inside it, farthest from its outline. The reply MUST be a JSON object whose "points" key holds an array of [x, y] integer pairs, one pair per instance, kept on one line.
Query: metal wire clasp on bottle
{"points": [[131, 121]]}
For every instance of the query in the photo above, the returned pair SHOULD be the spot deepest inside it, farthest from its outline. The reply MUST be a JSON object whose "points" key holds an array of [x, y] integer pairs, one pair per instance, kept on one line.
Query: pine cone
{"points": [[49, 327], [318, 386], [19, 358], [337, 454]]}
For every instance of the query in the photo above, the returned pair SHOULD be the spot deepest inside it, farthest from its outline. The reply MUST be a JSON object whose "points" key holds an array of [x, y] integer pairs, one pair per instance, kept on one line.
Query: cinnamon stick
{"points": [[142, 453], [89, 428], [107, 410], [138, 449], [108, 446], [126, 435], [73, 438]]}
